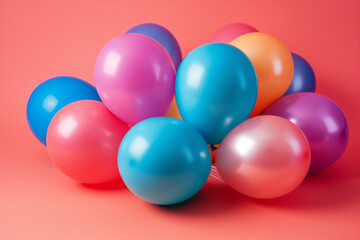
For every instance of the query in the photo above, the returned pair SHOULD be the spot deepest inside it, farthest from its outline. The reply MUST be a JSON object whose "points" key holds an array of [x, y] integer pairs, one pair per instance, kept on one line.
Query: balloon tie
{"points": [[212, 147]]}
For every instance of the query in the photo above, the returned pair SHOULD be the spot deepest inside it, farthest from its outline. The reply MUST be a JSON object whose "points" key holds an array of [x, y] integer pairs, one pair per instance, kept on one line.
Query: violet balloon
{"points": [[264, 157], [303, 79], [322, 121], [162, 36], [135, 77]]}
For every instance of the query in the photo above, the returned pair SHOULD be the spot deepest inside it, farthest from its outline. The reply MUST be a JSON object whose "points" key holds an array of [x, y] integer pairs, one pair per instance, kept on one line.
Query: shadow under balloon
{"points": [[321, 191], [114, 185], [212, 199]]}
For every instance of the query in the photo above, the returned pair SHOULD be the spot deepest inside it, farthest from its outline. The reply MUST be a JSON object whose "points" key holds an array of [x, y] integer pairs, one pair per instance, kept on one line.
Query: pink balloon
{"points": [[231, 31], [83, 139], [264, 157], [135, 77]]}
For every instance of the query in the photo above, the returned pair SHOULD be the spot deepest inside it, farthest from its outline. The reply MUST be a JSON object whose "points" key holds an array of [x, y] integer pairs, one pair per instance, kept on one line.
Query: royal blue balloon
{"points": [[216, 89], [303, 79], [164, 160], [52, 95], [162, 36]]}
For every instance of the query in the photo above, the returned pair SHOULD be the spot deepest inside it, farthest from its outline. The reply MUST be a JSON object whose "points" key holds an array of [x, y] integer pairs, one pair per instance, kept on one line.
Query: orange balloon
{"points": [[273, 65], [174, 111]]}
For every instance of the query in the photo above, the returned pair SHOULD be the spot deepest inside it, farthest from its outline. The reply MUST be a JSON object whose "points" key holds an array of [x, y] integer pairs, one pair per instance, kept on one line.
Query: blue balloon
{"points": [[164, 160], [215, 89], [303, 79], [52, 95], [162, 36]]}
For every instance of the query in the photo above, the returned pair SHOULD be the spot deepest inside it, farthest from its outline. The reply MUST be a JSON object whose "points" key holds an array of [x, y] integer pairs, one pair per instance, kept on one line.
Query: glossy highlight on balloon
{"points": [[303, 79], [83, 139], [162, 36], [273, 65], [164, 160], [135, 77], [264, 157], [52, 95], [322, 121], [215, 89], [231, 31]]}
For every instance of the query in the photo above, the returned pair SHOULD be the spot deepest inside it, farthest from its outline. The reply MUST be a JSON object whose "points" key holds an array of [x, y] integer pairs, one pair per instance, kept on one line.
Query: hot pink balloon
{"points": [[135, 77], [264, 157], [231, 31], [83, 140]]}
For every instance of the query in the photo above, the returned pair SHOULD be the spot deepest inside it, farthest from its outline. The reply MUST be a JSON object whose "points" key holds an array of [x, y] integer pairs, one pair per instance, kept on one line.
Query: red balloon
{"points": [[231, 31], [83, 140], [264, 157]]}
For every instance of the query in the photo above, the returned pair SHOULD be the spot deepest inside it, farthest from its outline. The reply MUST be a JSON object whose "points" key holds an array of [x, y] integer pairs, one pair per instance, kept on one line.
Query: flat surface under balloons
{"points": [[42, 40]]}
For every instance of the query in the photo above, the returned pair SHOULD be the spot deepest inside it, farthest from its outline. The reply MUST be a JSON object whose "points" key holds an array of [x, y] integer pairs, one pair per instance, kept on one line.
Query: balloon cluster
{"points": [[244, 94]]}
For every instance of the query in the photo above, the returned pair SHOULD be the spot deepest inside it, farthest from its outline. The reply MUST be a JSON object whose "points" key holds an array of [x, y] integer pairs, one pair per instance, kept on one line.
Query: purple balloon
{"points": [[322, 121], [162, 36], [135, 78]]}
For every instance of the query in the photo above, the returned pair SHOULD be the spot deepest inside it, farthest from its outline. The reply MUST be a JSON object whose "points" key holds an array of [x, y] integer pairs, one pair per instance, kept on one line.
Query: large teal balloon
{"points": [[216, 89], [164, 160]]}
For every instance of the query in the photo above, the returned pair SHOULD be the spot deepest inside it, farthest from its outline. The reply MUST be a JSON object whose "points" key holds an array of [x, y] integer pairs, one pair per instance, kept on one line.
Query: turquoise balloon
{"points": [[164, 160], [216, 89]]}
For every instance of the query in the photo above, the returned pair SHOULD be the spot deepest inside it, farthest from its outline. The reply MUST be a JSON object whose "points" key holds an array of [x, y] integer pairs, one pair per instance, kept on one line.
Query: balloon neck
{"points": [[212, 147]]}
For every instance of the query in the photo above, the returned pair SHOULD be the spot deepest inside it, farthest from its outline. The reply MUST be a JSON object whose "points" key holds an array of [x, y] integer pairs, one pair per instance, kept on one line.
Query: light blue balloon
{"points": [[52, 95], [164, 160], [215, 89]]}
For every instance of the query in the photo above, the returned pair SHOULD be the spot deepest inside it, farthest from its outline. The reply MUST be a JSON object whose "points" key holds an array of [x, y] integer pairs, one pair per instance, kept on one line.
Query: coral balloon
{"points": [[174, 111], [264, 157], [303, 79], [83, 139], [135, 77], [162, 36], [273, 65], [216, 89], [52, 95], [231, 31], [322, 121], [164, 160]]}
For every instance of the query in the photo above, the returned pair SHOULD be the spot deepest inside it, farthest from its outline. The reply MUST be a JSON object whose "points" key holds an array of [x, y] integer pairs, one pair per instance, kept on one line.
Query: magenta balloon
{"points": [[264, 157], [135, 77], [322, 121]]}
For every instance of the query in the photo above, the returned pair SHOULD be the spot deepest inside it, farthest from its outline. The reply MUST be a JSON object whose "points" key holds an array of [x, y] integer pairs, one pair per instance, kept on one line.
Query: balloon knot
{"points": [[212, 147]]}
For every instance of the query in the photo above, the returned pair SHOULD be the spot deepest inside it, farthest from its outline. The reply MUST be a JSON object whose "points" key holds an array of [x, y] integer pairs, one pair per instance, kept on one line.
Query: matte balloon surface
{"points": [[322, 121], [135, 77], [164, 160], [273, 65], [303, 78], [264, 157], [83, 139], [52, 95], [216, 89], [162, 36], [231, 31]]}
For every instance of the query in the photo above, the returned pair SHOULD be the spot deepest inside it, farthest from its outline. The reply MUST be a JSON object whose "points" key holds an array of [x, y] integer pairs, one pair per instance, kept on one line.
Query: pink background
{"points": [[43, 39]]}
